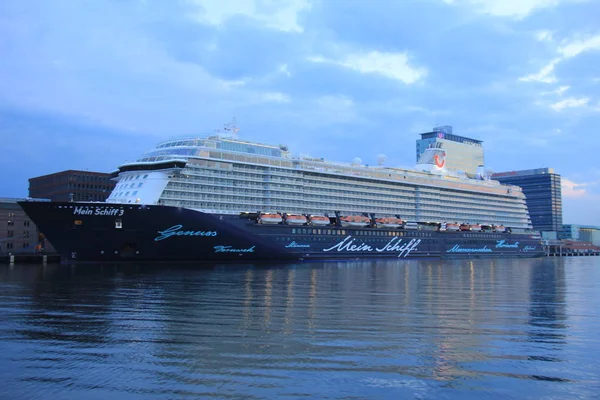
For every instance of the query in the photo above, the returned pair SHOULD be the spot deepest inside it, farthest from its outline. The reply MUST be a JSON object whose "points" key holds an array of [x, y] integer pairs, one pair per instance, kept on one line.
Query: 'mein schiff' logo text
{"points": [[395, 245], [108, 211]]}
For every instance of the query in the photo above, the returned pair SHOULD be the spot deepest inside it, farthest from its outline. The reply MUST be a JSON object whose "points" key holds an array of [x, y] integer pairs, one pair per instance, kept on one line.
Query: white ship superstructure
{"points": [[226, 175]]}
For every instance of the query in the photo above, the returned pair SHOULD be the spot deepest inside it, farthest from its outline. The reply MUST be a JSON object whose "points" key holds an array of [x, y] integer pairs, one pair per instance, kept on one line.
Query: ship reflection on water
{"points": [[368, 329]]}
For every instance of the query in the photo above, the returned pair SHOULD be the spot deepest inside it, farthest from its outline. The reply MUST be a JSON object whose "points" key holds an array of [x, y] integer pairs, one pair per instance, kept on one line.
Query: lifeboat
{"points": [[388, 222], [475, 227], [295, 219], [319, 220], [355, 220], [413, 226], [499, 228], [268, 218], [453, 227]]}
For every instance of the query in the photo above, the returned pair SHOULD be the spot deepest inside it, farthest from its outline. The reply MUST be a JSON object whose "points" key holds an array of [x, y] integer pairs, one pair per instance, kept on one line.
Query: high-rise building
{"points": [[72, 185], [462, 153], [542, 189]]}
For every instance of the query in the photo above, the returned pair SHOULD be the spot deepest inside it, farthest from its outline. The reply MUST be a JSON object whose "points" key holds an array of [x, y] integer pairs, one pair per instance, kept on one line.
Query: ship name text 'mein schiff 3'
{"points": [[220, 198]]}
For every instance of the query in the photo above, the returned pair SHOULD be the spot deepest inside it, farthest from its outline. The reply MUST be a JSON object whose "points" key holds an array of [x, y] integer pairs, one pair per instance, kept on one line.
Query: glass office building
{"points": [[583, 233], [542, 189], [462, 153]]}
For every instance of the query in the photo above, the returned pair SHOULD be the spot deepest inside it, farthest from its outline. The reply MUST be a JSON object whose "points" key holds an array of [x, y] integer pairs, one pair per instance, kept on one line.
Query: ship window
{"points": [[78, 222], [118, 224]]}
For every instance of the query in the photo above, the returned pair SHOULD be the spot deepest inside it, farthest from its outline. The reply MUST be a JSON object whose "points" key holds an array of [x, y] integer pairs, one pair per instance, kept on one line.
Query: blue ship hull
{"points": [[98, 232]]}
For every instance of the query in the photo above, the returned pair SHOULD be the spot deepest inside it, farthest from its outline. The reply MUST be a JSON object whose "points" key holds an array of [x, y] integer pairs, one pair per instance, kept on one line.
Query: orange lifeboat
{"points": [[499, 228], [452, 227], [388, 222], [268, 218], [319, 220], [475, 227], [294, 219], [355, 220]]}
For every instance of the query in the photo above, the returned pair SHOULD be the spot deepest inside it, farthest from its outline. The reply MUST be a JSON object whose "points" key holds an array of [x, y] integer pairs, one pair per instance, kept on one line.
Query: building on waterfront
{"points": [[72, 185], [462, 153], [542, 188], [582, 233], [18, 234]]}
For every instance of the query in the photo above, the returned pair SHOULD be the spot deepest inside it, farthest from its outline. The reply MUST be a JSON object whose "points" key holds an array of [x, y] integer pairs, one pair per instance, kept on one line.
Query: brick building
{"points": [[72, 185], [18, 234]]}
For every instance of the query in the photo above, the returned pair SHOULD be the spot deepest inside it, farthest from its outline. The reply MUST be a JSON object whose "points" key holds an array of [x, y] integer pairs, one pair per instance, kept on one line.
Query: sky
{"points": [[91, 84]]}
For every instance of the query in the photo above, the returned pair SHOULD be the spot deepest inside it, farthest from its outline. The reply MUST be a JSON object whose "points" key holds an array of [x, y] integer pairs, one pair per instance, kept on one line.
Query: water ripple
{"points": [[398, 329]]}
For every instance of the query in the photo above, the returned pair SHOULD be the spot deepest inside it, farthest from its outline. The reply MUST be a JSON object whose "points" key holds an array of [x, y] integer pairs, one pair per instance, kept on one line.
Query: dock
{"points": [[570, 248], [29, 258]]}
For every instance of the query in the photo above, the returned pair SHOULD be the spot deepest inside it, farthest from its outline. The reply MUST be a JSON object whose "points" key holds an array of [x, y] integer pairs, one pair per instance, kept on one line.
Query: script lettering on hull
{"points": [[177, 230], [458, 249], [529, 248], [106, 211], [295, 245], [229, 249], [504, 244], [396, 244]]}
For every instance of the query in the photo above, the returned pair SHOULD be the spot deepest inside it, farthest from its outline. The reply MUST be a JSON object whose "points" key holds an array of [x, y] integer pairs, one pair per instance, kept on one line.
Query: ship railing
{"points": [[430, 196], [291, 201], [425, 180]]}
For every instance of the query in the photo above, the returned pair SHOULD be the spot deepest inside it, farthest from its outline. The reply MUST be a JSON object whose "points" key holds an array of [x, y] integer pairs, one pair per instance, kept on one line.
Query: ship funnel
{"points": [[432, 160]]}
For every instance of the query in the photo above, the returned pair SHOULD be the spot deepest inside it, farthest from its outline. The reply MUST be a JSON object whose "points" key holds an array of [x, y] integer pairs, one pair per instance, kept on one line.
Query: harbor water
{"points": [[469, 329]]}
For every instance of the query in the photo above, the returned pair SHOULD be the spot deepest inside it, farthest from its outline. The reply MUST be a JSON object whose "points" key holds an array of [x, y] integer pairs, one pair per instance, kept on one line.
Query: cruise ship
{"points": [[221, 198]]}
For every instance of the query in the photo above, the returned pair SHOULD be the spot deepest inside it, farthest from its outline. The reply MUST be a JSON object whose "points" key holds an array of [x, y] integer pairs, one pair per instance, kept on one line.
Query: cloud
{"points": [[283, 69], [543, 36], [276, 97], [559, 91], [568, 49], [576, 47], [546, 74], [518, 9], [571, 189], [334, 109], [279, 15], [571, 102], [390, 65]]}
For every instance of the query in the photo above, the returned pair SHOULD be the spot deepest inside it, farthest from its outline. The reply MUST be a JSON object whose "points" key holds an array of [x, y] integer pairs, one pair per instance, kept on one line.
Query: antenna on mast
{"points": [[231, 128]]}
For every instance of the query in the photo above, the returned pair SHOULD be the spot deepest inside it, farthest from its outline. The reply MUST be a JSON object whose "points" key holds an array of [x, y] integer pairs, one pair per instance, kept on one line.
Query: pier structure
{"points": [[570, 248]]}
